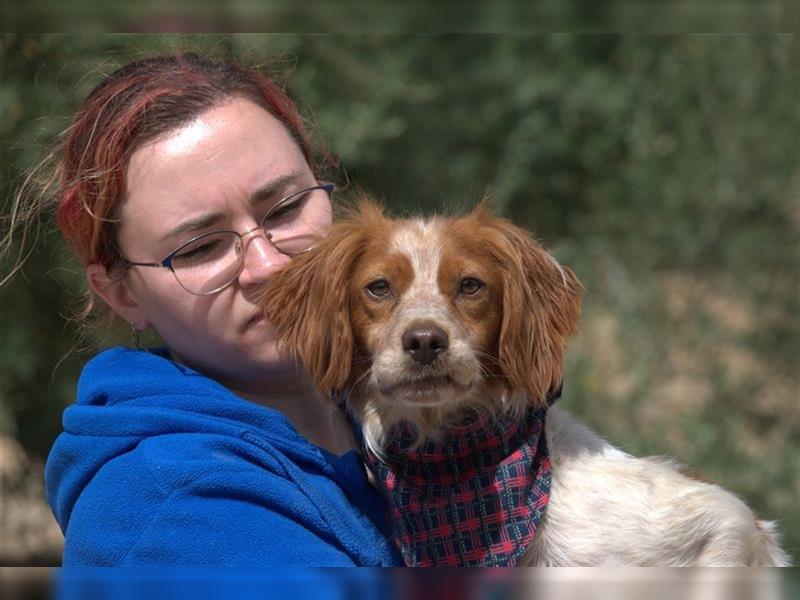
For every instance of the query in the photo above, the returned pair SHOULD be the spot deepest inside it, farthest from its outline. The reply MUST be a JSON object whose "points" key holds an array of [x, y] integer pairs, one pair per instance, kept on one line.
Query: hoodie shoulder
{"points": [[120, 374]]}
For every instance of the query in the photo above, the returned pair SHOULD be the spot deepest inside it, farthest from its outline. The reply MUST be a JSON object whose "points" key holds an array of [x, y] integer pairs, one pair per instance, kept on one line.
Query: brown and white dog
{"points": [[423, 321]]}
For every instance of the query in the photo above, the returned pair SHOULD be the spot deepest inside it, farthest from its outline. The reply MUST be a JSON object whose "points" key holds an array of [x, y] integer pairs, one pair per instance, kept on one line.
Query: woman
{"points": [[185, 185]]}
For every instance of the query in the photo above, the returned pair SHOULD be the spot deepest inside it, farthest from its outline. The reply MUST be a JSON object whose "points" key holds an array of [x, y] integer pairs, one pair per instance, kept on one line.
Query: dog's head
{"points": [[418, 318]]}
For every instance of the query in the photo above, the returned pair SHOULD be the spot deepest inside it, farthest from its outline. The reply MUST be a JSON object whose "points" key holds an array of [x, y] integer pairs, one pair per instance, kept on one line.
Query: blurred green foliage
{"points": [[663, 170], [356, 16]]}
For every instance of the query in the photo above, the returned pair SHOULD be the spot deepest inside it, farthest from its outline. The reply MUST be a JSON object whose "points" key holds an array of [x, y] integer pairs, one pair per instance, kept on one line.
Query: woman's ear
{"points": [[541, 309], [113, 290]]}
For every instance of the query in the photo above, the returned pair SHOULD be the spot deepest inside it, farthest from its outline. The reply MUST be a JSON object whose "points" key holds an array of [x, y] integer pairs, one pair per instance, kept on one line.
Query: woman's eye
{"points": [[287, 210], [284, 211], [198, 252], [470, 285], [378, 288]]}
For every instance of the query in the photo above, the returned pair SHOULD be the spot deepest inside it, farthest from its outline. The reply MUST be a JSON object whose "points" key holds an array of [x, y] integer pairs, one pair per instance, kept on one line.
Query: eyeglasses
{"points": [[210, 262]]}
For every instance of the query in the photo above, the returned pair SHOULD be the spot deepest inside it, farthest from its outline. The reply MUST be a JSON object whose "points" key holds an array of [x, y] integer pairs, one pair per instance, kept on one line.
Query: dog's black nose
{"points": [[424, 344]]}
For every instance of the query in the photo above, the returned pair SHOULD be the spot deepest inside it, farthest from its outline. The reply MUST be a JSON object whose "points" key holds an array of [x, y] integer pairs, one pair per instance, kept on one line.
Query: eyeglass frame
{"points": [[166, 263]]}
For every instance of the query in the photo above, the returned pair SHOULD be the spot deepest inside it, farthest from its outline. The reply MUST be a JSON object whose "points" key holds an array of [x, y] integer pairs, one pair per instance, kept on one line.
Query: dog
{"points": [[445, 337]]}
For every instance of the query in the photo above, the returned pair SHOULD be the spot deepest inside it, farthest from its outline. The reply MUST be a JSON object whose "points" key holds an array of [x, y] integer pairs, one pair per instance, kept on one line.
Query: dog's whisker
{"points": [[356, 383], [486, 355]]}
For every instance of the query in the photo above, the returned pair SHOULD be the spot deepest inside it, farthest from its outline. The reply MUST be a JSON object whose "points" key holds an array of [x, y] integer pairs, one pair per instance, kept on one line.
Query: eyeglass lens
{"points": [[210, 262]]}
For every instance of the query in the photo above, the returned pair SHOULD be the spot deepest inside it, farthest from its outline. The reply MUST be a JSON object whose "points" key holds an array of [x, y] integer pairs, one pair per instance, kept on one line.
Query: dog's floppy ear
{"points": [[306, 305], [541, 307]]}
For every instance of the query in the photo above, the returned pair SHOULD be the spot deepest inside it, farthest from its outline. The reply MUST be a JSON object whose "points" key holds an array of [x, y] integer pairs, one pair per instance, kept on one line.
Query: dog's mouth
{"points": [[427, 389]]}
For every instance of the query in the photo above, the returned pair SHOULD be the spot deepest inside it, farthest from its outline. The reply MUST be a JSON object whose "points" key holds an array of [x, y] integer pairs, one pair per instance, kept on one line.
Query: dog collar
{"points": [[474, 498]]}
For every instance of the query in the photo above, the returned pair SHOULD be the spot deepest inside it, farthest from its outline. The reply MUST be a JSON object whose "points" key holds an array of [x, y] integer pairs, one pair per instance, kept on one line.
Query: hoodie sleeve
{"points": [[260, 523]]}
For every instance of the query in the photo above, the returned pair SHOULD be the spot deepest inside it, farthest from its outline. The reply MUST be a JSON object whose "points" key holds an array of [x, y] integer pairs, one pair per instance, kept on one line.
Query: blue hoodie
{"points": [[160, 465]]}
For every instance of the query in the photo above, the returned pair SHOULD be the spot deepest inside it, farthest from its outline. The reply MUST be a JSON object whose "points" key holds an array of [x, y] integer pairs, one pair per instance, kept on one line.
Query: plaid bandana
{"points": [[473, 499]]}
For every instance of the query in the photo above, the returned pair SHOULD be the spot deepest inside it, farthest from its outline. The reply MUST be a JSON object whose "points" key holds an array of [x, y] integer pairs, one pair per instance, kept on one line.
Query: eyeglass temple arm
{"points": [[164, 263]]}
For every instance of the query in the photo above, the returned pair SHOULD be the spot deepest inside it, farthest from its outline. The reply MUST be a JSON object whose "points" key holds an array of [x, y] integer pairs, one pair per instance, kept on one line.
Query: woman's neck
{"points": [[314, 416], [289, 389]]}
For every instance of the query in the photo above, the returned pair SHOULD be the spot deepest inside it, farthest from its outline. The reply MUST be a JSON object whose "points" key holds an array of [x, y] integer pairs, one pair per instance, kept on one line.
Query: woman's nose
{"points": [[261, 261]]}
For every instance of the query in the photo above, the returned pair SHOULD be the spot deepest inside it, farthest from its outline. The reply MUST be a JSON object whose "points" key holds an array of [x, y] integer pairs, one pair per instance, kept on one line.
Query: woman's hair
{"points": [[136, 104]]}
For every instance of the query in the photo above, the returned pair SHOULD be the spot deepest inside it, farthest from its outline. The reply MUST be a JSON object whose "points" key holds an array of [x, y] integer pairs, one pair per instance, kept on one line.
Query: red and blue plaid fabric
{"points": [[473, 499]]}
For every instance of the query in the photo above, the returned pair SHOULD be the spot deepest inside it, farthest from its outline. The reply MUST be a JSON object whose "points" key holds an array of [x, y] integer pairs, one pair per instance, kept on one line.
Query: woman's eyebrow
{"points": [[268, 190], [197, 224], [274, 187]]}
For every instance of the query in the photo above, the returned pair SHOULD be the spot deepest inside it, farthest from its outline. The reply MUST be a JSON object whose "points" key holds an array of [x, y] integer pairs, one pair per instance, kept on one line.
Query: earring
{"points": [[136, 333]]}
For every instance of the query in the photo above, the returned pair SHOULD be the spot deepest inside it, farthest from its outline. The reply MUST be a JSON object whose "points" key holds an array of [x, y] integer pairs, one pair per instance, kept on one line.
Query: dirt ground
{"points": [[29, 535]]}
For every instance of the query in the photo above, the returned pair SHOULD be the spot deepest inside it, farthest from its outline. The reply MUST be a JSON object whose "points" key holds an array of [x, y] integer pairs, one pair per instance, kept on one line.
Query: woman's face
{"points": [[206, 174]]}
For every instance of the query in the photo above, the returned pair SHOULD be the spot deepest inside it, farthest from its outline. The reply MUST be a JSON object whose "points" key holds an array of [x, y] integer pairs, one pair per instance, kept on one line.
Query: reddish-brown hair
{"points": [[132, 106]]}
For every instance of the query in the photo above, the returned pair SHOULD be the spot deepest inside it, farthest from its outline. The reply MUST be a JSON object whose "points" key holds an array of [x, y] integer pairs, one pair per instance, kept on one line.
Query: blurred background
{"points": [[356, 16], [664, 170]]}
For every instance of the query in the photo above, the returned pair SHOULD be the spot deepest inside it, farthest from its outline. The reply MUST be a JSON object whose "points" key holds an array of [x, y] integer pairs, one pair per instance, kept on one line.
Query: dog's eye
{"points": [[470, 285], [378, 288]]}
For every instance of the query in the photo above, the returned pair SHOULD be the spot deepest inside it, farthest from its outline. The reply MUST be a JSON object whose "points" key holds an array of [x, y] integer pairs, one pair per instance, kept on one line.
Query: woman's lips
{"points": [[256, 319]]}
